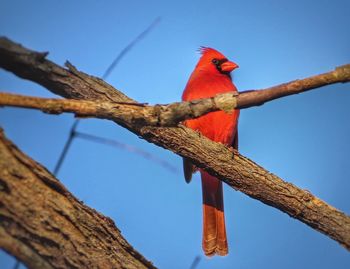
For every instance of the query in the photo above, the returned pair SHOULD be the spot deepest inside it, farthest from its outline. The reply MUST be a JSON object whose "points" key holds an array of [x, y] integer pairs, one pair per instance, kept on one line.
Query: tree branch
{"points": [[259, 97], [121, 112], [238, 171], [32, 65], [171, 114], [45, 226]]}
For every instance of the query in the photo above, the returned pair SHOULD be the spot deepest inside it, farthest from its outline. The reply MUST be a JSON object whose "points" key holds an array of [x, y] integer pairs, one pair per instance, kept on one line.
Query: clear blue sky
{"points": [[303, 139]]}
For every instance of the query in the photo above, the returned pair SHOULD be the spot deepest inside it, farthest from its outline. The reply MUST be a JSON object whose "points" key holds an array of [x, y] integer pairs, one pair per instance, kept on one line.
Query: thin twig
{"points": [[17, 264], [66, 147], [124, 51], [104, 77], [114, 143], [195, 262]]}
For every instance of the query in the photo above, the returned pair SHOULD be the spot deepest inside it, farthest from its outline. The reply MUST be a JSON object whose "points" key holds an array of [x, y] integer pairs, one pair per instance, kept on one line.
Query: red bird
{"points": [[212, 76]]}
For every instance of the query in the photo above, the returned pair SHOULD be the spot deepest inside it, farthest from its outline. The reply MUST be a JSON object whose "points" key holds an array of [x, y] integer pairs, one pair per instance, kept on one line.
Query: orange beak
{"points": [[228, 66]]}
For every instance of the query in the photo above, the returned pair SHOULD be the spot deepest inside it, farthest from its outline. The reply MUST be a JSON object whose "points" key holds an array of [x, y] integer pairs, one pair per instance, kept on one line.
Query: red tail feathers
{"points": [[214, 231]]}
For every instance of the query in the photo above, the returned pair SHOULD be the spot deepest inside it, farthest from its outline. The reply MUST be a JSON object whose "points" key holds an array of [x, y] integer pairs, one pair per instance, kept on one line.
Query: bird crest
{"points": [[209, 52]]}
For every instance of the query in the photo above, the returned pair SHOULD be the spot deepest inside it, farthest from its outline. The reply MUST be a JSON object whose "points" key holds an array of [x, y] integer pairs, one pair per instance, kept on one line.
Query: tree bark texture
{"points": [[237, 171], [45, 226], [121, 112]]}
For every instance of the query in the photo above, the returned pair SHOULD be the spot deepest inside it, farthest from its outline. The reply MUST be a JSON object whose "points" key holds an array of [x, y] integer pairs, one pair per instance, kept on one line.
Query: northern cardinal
{"points": [[211, 76]]}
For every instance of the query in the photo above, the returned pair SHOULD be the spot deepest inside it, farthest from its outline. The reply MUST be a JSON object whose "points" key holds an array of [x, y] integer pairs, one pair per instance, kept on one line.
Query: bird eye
{"points": [[215, 61]]}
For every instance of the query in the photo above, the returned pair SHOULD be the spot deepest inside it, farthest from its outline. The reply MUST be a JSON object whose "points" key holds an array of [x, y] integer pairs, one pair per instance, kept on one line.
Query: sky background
{"points": [[303, 139]]}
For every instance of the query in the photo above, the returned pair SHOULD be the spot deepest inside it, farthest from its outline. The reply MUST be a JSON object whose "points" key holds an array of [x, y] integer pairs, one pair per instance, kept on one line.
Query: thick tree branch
{"points": [[238, 172], [45, 226]]}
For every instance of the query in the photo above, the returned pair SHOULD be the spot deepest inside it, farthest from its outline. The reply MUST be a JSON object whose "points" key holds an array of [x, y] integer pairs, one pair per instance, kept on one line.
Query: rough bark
{"points": [[238, 172], [246, 176], [70, 83], [45, 226], [121, 112]]}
